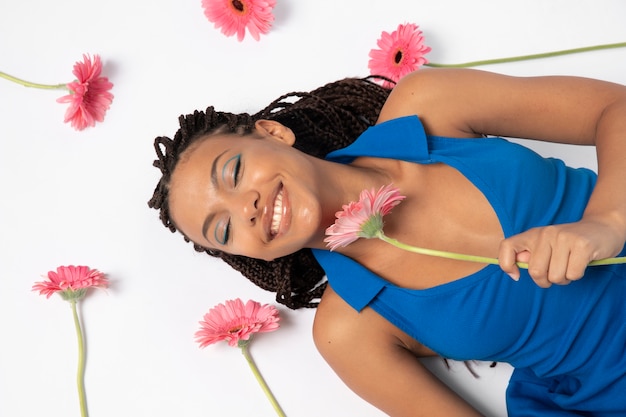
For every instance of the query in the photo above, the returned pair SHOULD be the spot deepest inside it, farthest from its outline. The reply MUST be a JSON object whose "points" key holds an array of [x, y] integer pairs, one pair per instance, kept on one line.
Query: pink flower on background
{"points": [[363, 218], [71, 282], [401, 52], [234, 16], [89, 96], [235, 322]]}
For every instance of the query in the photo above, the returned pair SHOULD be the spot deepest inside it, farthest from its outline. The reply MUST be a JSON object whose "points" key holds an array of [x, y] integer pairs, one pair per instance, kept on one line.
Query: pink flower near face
{"points": [[69, 280], [234, 16], [235, 321], [90, 97], [363, 218], [401, 52], [347, 227]]}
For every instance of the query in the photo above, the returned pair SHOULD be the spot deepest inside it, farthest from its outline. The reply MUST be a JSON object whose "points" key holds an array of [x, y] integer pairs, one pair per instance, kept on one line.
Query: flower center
{"points": [[398, 58], [239, 6], [235, 329]]}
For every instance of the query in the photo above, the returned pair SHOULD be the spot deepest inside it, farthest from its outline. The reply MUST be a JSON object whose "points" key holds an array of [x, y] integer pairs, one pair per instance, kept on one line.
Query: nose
{"points": [[248, 203]]}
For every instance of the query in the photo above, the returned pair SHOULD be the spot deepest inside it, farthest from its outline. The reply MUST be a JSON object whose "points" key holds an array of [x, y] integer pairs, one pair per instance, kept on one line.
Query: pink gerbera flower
{"points": [[89, 96], [235, 322], [363, 218], [234, 16], [401, 52], [71, 282]]}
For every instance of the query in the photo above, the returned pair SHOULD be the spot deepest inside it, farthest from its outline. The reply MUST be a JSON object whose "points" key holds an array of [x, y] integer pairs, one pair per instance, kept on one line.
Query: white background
{"points": [[72, 197]]}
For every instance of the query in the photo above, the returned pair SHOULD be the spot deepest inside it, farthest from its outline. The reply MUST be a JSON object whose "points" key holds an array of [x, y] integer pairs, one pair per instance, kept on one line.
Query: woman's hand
{"points": [[559, 254], [467, 103]]}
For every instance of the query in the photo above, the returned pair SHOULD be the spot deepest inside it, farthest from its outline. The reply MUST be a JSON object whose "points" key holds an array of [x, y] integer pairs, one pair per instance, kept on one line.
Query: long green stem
{"points": [[261, 381], [528, 57], [32, 85], [80, 376], [472, 258]]}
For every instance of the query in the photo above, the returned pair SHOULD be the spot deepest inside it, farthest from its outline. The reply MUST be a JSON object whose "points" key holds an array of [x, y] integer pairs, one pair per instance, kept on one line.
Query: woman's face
{"points": [[254, 196]]}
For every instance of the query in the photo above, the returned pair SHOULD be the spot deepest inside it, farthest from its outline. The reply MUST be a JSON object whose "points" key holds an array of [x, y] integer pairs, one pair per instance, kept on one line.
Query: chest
{"points": [[443, 210]]}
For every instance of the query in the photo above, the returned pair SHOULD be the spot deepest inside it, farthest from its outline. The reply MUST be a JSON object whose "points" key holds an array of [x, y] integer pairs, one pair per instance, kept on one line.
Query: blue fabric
{"points": [[567, 343]]}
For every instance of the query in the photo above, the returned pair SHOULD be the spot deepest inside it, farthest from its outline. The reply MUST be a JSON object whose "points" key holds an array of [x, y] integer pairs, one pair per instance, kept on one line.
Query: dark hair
{"points": [[328, 118]]}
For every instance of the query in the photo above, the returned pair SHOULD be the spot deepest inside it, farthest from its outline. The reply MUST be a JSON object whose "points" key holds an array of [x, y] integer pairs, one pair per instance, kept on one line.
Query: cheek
{"points": [[307, 212]]}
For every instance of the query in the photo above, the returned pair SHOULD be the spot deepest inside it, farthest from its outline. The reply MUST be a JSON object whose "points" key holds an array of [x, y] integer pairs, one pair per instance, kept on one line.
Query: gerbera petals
{"points": [[89, 97], [362, 218], [235, 321], [71, 282], [235, 16], [406, 43]]}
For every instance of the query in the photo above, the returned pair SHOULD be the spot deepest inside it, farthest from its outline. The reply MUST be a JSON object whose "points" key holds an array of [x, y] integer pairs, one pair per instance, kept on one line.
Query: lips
{"points": [[277, 213]]}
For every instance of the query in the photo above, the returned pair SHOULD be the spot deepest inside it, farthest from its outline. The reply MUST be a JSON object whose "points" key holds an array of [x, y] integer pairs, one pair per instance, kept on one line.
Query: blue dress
{"points": [[567, 343]]}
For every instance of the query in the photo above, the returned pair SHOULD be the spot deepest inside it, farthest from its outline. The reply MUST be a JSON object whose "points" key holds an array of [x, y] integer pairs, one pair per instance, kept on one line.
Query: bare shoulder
{"points": [[436, 95], [469, 103], [373, 358], [337, 323]]}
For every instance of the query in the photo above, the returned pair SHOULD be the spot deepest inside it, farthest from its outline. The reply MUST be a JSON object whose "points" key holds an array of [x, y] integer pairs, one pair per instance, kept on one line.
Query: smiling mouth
{"points": [[277, 215]]}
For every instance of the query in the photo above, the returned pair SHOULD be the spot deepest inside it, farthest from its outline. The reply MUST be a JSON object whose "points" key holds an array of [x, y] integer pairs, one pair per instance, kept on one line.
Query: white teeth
{"points": [[278, 213]]}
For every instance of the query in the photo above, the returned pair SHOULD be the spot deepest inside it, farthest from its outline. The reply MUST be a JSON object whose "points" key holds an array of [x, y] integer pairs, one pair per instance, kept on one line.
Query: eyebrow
{"points": [[209, 218]]}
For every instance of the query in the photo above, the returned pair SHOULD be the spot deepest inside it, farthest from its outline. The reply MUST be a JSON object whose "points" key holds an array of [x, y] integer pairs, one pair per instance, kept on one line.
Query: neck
{"points": [[341, 184]]}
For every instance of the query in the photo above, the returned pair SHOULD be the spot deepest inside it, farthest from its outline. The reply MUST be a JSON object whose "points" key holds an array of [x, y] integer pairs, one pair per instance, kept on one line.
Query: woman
{"points": [[258, 188]]}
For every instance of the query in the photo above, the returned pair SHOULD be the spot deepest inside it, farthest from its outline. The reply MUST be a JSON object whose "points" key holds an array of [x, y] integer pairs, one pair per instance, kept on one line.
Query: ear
{"points": [[276, 130]]}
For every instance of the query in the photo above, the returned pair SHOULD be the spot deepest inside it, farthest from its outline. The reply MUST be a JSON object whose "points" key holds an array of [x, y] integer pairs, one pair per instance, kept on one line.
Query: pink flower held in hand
{"points": [[71, 282], [401, 52], [236, 322], [363, 218], [234, 16], [89, 96]]}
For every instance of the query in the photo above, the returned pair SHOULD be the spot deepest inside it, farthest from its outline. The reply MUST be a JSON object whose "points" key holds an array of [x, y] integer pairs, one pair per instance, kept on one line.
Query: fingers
{"points": [[539, 264], [508, 258], [552, 257]]}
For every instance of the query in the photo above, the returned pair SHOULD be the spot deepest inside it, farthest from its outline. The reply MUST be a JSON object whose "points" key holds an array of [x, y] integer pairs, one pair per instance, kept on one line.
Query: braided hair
{"points": [[328, 118]]}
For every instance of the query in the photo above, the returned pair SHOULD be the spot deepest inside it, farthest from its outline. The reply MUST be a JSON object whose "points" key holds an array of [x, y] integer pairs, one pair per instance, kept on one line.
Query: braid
{"points": [[328, 118]]}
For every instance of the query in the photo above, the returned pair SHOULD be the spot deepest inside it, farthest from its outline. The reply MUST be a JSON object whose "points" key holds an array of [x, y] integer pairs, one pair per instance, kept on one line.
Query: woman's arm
{"points": [[468, 103], [362, 349]]}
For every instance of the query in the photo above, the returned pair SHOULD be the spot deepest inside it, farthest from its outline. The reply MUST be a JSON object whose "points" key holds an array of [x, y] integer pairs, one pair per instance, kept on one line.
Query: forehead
{"points": [[202, 148], [190, 191], [211, 145], [201, 154], [194, 165]]}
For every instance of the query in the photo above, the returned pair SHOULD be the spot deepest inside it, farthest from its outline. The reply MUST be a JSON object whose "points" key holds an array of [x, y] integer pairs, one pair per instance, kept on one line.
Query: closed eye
{"points": [[222, 233], [232, 170], [237, 170]]}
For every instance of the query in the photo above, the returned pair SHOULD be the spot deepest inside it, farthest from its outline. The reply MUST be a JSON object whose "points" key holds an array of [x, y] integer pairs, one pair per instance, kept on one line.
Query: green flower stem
{"points": [[471, 258], [33, 85], [528, 57], [260, 380], [80, 377]]}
